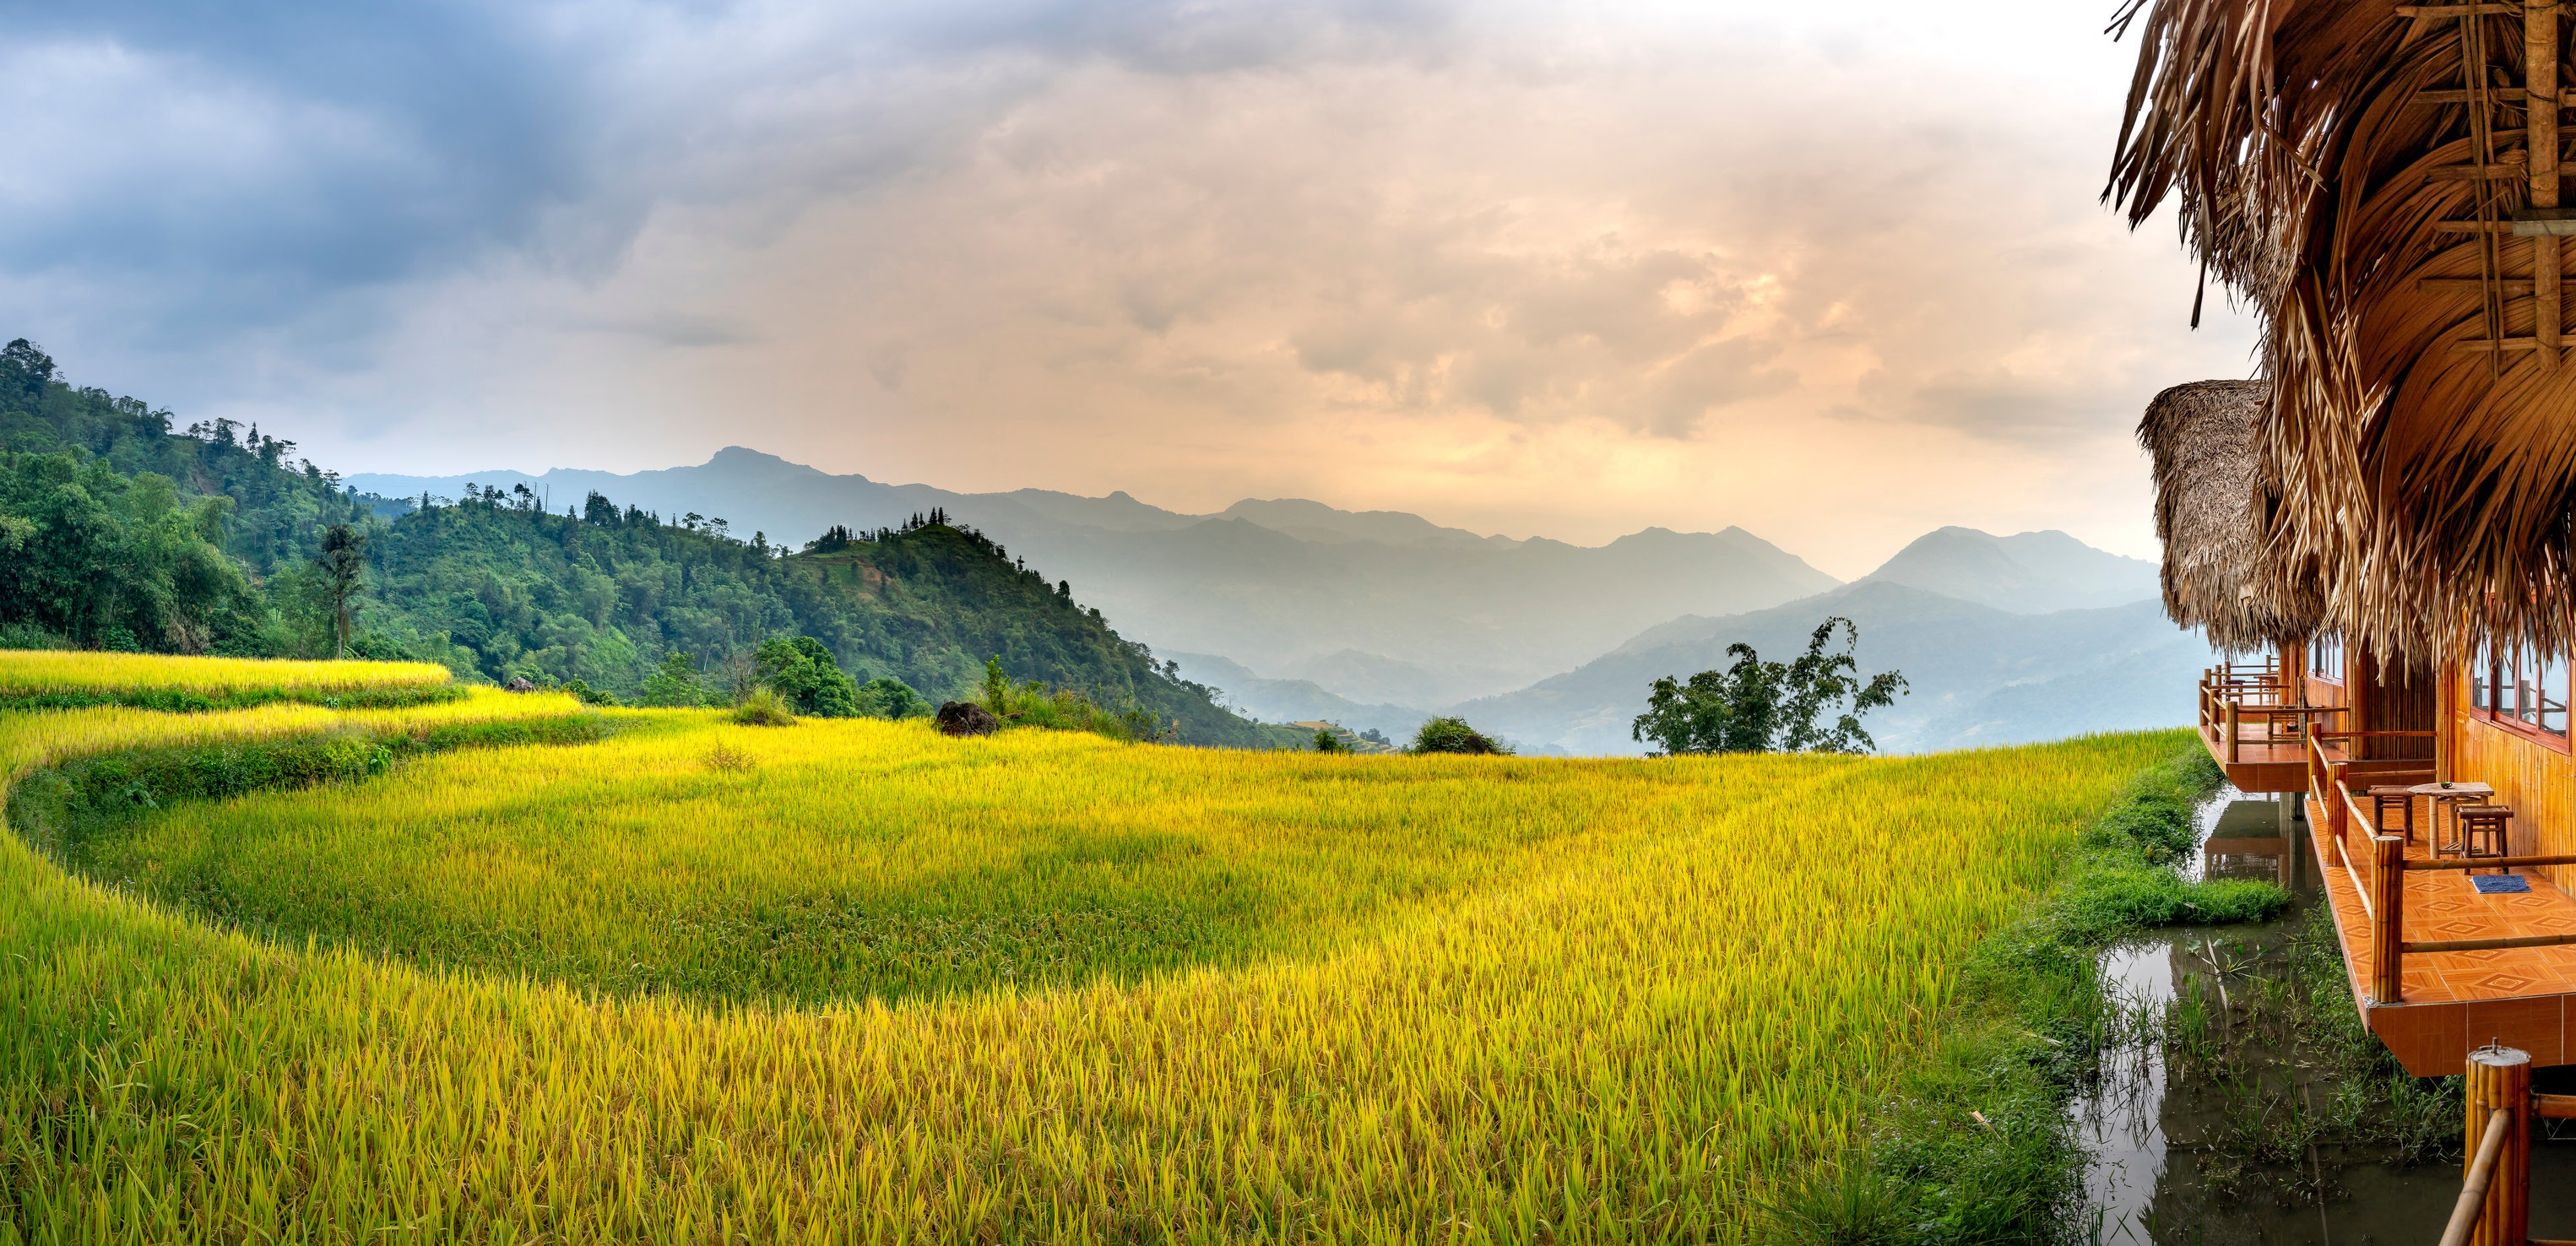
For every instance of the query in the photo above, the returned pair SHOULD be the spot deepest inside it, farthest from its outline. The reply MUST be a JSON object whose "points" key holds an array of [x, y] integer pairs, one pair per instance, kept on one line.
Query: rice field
{"points": [[47, 678], [858, 982]]}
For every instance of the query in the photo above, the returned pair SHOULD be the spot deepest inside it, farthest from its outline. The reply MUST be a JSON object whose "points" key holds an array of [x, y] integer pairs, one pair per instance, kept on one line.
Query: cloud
{"points": [[1189, 248]]}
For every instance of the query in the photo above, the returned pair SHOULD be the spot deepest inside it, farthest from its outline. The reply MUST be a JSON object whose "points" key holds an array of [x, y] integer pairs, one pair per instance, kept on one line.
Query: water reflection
{"points": [[2168, 1151]]}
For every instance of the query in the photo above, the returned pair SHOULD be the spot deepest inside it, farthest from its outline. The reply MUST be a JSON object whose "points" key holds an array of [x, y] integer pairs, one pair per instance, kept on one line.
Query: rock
{"points": [[967, 718], [520, 684]]}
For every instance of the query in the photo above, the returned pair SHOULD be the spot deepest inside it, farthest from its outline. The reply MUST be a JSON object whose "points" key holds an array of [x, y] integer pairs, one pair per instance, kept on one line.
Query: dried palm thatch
{"points": [[2348, 169], [2222, 571]]}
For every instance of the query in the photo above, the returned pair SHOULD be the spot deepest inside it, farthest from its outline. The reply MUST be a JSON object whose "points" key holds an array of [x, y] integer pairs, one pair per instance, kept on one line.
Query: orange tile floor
{"points": [[2454, 1002]]}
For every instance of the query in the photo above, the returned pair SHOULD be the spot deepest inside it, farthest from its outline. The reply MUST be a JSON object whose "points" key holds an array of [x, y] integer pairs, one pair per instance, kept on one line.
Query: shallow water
{"points": [[2149, 1134]]}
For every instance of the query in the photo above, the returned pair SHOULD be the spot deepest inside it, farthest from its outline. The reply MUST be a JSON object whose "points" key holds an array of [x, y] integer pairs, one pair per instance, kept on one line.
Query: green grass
{"points": [[1974, 1145]]}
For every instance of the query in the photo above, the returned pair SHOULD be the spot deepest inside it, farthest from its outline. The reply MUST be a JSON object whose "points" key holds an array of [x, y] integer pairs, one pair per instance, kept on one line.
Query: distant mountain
{"points": [[1283, 582], [1294, 700], [2027, 573], [1979, 675], [1314, 521]]}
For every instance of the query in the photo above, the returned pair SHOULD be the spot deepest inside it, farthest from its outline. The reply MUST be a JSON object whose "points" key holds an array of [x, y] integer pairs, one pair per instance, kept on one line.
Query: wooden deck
{"points": [[2454, 1002], [2262, 764]]}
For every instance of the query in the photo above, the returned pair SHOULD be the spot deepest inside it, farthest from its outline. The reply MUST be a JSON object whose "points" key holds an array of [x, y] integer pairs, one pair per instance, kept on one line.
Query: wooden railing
{"points": [[2379, 874], [2231, 695]]}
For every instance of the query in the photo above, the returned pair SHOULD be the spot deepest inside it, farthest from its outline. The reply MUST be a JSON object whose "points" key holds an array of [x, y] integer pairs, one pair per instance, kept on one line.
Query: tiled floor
{"points": [[2261, 765], [2455, 1001]]}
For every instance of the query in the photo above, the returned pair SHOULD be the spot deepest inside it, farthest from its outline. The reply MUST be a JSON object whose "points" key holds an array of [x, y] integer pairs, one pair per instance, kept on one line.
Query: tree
{"points": [[343, 563], [1453, 735], [997, 688], [675, 682], [803, 672], [1770, 707], [1327, 742], [891, 698]]}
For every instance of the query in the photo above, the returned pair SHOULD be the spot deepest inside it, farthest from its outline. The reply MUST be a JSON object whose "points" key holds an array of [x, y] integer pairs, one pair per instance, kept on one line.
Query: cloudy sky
{"points": [[1834, 272]]}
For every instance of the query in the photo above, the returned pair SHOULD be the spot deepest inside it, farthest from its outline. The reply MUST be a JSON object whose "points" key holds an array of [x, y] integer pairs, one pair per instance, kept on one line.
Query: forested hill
{"points": [[117, 531]]}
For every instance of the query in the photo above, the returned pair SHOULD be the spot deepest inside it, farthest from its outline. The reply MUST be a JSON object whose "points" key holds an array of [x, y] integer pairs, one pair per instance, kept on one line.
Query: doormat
{"points": [[2495, 884]]}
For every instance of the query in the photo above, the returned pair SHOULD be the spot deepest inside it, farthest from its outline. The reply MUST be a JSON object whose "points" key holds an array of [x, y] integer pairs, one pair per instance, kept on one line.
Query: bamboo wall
{"points": [[2390, 699], [2536, 779]]}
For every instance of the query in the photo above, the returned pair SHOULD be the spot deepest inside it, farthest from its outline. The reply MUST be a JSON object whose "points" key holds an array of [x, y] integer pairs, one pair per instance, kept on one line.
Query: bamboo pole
{"points": [[2387, 918], [2540, 71], [2234, 720], [2335, 807], [2479, 1178], [2500, 1102]]}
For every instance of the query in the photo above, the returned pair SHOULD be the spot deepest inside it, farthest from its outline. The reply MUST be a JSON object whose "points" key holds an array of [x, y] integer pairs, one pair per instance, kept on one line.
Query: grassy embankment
{"points": [[854, 981]]}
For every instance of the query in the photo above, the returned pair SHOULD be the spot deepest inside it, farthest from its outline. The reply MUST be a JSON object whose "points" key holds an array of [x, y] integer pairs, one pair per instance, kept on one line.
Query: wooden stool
{"points": [[2383, 799], [2485, 830]]}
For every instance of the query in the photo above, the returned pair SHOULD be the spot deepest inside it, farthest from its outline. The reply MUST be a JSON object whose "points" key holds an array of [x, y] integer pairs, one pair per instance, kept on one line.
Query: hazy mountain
{"points": [[1979, 675], [1284, 583], [1294, 700], [2027, 573]]}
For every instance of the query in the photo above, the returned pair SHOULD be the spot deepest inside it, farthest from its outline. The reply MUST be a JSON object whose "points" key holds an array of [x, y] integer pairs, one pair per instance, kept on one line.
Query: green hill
{"points": [[121, 533]]}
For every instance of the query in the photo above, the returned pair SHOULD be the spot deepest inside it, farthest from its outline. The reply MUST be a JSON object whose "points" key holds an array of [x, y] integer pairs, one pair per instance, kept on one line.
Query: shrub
{"points": [[1453, 735], [804, 672], [675, 683], [763, 707], [892, 698]]}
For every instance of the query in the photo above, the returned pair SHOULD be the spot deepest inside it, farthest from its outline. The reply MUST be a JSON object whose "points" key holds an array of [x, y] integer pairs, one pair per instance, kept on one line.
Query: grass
{"points": [[1974, 1144], [1317, 998], [60, 679]]}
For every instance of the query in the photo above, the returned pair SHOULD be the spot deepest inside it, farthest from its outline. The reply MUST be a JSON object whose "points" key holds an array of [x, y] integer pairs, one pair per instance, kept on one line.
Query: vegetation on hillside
{"points": [[118, 532]]}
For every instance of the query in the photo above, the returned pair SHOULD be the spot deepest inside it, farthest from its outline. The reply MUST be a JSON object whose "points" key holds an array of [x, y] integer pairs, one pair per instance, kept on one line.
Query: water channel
{"points": [[2179, 1154]]}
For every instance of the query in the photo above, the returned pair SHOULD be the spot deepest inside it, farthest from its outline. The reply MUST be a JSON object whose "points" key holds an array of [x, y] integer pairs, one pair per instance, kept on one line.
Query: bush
{"points": [[1453, 735], [892, 698], [803, 672], [763, 707], [675, 683]]}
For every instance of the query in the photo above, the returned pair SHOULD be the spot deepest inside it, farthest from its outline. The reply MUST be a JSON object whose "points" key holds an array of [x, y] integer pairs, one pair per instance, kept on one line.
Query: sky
{"points": [[1837, 274]]}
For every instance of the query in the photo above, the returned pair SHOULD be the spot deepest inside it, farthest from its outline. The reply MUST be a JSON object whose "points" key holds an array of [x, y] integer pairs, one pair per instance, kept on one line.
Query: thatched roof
{"points": [[2222, 572], [2342, 169]]}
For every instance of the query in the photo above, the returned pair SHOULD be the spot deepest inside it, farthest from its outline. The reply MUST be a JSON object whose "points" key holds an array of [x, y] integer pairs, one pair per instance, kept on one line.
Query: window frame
{"points": [[2317, 669], [2490, 670]]}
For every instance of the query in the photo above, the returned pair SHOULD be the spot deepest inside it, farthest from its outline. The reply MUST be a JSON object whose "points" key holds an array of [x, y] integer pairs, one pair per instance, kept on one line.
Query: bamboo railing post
{"points": [[2233, 721], [2387, 917], [2335, 812], [2500, 1097], [2321, 785]]}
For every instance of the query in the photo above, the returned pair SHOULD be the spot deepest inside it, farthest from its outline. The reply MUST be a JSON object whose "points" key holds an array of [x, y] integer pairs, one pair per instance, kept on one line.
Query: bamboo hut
{"points": [[2381, 184], [2374, 182]]}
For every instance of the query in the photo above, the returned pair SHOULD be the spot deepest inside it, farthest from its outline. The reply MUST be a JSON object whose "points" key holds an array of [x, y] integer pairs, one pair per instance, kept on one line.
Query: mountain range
{"points": [[1299, 611], [1294, 584]]}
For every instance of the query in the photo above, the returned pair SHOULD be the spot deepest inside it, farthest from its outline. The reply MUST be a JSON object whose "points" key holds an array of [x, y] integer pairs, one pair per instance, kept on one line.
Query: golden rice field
{"points": [[857, 982], [40, 673]]}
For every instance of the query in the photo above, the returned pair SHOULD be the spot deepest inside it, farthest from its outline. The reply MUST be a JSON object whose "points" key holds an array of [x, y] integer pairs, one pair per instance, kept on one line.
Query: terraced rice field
{"points": [[503, 969]]}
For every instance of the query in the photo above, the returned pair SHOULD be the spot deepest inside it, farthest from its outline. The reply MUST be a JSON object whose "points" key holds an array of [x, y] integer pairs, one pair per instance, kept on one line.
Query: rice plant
{"points": [[1390, 998], [55, 678]]}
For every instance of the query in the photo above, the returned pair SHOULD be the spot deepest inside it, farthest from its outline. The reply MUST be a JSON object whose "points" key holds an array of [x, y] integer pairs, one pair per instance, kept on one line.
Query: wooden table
{"points": [[2441, 794]]}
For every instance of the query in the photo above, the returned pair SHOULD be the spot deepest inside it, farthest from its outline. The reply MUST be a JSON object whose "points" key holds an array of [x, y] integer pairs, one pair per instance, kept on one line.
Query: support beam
{"points": [[2387, 918], [2540, 61], [2500, 1098]]}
